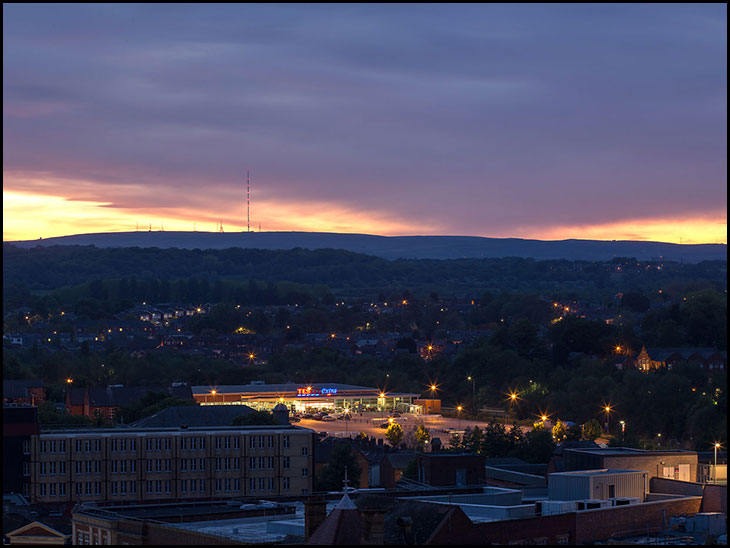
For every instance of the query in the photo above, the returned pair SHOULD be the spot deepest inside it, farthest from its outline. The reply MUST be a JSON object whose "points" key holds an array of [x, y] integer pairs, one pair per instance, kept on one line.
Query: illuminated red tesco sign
{"points": [[309, 392]]}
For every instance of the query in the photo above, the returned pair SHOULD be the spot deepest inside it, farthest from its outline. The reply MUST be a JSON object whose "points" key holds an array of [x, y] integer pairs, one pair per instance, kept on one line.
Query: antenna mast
{"points": [[248, 200]]}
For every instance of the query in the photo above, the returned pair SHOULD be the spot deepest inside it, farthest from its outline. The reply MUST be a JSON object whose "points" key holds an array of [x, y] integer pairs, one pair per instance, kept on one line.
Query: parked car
{"points": [[327, 418], [307, 416]]}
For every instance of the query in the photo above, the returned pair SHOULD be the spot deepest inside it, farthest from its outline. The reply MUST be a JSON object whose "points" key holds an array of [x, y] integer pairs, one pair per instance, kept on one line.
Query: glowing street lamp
{"points": [[473, 386], [512, 399], [714, 472], [458, 409], [608, 410]]}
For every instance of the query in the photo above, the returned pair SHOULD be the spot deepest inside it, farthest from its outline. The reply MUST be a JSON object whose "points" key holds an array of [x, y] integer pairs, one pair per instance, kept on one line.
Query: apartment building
{"points": [[169, 464]]}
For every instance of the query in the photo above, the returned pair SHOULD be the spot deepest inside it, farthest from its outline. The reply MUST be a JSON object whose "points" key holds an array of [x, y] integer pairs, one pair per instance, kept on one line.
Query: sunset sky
{"points": [[530, 121]]}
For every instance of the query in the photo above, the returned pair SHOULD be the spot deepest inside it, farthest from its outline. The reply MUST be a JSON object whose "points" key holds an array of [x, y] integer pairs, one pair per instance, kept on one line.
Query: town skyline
{"points": [[549, 123]]}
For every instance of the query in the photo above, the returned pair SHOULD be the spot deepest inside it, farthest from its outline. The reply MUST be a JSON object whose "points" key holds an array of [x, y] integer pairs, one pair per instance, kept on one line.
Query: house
{"points": [[106, 402], [392, 467], [37, 533], [709, 359], [24, 392]]}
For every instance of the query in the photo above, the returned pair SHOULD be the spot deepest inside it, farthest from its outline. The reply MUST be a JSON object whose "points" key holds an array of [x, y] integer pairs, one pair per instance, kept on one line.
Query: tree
{"points": [[330, 478], [591, 429], [394, 434], [421, 434], [560, 431], [257, 418], [538, 446]]}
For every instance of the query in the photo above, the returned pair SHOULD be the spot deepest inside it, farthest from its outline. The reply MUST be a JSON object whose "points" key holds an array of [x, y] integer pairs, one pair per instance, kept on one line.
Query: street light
{"points": [[608, 410], [512, 399], [714, 472], [458, 409], [473, 387]]}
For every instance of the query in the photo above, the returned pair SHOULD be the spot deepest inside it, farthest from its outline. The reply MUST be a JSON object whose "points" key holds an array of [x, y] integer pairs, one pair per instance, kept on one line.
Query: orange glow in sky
{"points": [[29, 216]]}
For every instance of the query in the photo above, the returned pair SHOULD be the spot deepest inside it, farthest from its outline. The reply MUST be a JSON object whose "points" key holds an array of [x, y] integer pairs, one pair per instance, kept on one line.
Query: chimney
{"points": [[405, 525], [315, 512], [372, 528]]}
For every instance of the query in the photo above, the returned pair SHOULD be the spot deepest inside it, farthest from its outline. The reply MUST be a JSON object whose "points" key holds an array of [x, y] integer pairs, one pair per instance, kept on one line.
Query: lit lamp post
{"points": [[714, 472], [608, 410], [382, 397], [458, 409], [512, 399], [473, 387]]}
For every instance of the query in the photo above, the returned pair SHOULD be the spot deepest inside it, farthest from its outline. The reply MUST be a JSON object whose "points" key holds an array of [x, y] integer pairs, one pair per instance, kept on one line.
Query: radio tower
{"points": [[248, 200]]}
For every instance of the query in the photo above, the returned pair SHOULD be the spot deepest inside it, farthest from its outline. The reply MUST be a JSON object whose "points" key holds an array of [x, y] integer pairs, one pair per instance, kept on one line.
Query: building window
{"points": [[26, 468], [285, 484], [285, 463], [251, 442], [26, 447], [305, 451], [252, 463], [305, 472], [285, 442]]}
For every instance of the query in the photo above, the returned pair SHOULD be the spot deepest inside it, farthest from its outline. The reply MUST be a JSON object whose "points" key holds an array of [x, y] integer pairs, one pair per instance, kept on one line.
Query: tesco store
{"points": [[332, 397]]}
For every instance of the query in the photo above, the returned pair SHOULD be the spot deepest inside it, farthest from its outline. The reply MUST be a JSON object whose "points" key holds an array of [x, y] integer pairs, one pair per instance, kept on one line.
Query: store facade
{"points": [[304, 398]]}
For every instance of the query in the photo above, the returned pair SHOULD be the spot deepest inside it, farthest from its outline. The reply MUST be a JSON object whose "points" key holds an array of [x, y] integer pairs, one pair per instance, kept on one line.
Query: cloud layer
{"points": [[491, 120]]}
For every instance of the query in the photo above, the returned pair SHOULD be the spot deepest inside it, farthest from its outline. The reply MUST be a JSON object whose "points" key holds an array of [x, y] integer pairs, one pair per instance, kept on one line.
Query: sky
{"points": [[530, 121]]}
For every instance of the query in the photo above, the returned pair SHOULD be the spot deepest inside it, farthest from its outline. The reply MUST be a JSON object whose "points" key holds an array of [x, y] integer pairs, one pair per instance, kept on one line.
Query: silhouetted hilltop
{"points": [[398, 247]]}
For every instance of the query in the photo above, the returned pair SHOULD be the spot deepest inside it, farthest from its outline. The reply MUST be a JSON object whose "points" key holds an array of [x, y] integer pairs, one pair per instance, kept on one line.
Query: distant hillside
{"points": [[399, 247]]}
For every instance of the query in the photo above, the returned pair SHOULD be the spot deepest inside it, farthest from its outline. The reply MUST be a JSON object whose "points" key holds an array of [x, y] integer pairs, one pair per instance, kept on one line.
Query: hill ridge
{"points": [[397, 247]]}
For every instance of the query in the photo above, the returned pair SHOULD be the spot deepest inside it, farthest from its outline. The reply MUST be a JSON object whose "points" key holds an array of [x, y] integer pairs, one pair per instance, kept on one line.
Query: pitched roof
{"points": [[341, 526], [194, 415], [19, 388]]}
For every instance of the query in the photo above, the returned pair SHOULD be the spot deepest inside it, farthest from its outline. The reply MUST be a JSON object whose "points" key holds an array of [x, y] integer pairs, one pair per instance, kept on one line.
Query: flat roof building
{"points": [[169, 464], [306, 397]]}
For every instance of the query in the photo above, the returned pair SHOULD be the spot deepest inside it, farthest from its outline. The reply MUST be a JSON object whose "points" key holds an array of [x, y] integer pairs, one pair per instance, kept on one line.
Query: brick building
{"points": [[445, 469], [106, 402], [20, 425], [174, 463]]}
